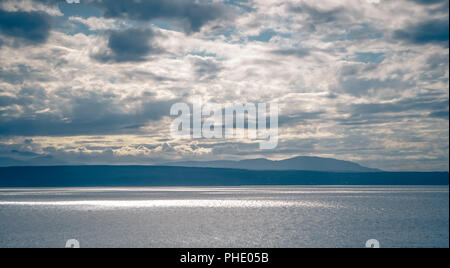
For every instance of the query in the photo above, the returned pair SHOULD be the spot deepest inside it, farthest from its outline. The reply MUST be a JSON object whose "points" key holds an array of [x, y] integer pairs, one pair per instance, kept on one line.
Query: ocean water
{"points": [[324, 217]]}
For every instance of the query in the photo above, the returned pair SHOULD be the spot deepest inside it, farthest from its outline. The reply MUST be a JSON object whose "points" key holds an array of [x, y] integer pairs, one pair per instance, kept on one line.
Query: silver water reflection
{"points": [[225, 217], [116, 204]]}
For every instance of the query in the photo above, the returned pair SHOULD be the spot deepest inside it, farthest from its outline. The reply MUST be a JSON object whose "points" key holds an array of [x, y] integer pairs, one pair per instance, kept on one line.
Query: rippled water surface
{"points": [[225, 217]]}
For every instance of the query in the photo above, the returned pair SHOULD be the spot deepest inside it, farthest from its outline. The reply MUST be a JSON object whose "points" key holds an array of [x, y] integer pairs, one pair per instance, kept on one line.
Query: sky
{"points": [[93, 82]]}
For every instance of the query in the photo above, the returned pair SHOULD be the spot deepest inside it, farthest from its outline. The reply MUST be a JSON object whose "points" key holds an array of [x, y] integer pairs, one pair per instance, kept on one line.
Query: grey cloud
{"points": [[294, 52], [192, 15], [88, 114], [145, 76], [20, 73], [435, 69], [430, 2], [405, 105], [24, 154], [47, 2], [355, 33], [25, 97], [437, 61], [441, 114], [368, 121], [6, 101], [364, 86], [130, 45], [29, 28], [354, 69], [318, 16], [443, 8], [206, 69], [422, 106], [432, 31], [300, 118]]}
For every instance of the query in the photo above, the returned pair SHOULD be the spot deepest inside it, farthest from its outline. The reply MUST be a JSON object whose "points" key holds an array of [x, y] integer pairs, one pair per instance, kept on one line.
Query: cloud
{"points": [[430, 104], [369, 57], [21, 73], [360, 86], [192, 15], [25, 154], [87, 113], [130, 45], [434, 31], [430, 2], [320, 15], [206, 69], [345, 87], [295, 52], [5, 101], [29, 28], [300, 118], [441, 114]]}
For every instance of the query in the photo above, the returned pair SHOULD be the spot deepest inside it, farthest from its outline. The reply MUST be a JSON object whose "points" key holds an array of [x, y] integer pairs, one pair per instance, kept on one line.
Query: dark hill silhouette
{"points": [[140, 176], [6, 161], [303, 163], [34, 161]]}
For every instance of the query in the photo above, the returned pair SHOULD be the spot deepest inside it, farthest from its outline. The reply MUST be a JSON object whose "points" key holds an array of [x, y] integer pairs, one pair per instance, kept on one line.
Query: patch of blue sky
{"points": [[79, 10], [369, 57], [162, 24], [71, 27], [361, 33], [202, 54], [243, 4]]}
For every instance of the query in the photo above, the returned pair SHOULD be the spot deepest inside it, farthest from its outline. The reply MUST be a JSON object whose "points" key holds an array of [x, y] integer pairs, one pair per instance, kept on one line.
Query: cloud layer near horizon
{"points": [[93, 82]]}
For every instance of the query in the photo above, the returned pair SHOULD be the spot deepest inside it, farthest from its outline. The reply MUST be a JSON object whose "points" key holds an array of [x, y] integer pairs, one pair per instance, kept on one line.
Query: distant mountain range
{"points": [[47, 172], [302, 163], [137, 176], [34, 161]]}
